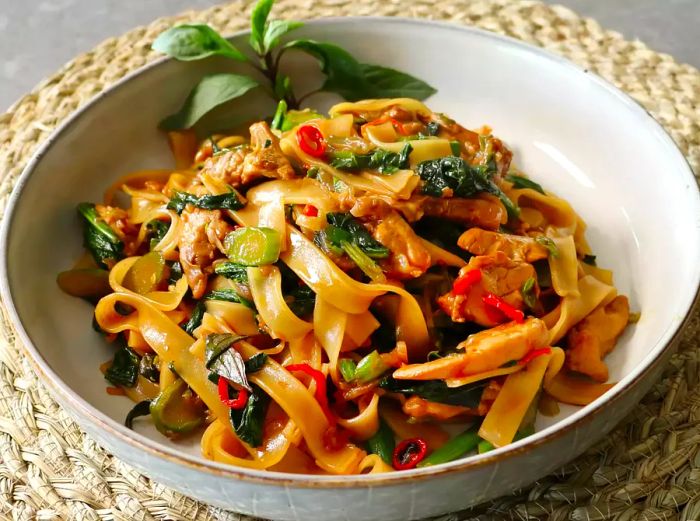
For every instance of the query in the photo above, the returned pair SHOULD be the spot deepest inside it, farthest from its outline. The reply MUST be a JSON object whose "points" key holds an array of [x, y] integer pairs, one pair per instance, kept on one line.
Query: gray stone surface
{"points": [[38, 36]]}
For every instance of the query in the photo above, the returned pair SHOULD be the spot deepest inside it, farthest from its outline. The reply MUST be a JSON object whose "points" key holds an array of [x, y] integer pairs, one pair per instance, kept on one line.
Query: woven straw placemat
{"points": [[648, 469]]}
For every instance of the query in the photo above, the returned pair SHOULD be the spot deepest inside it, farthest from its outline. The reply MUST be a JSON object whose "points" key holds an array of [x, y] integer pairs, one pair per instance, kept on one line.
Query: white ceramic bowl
{"points": [[571, 131]]}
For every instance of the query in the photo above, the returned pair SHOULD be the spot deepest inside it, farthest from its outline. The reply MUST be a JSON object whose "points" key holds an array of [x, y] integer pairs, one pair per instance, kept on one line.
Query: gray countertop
{"points": [[38, 36]]}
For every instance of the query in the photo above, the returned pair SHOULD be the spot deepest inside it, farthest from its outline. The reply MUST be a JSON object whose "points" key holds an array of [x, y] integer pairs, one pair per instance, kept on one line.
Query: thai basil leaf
{"points": [[195, 42], [156, 231], [436, 391], [275, 30], [356, 234], [232, 271], [248, 422], [98, 237], [227, 201], [258, 22], [143, 408], [195, 319], [523, 182], [228, 295], [211, 91], [124, 368], [381, 160], [224, 361], [175, 271], [464, 180], [390, 83], [303, 301], [255, 363], [149, 367]]}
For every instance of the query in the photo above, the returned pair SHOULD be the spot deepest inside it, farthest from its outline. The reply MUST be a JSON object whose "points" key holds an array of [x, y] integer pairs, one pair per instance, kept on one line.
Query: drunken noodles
{"points": [[366, 292]]}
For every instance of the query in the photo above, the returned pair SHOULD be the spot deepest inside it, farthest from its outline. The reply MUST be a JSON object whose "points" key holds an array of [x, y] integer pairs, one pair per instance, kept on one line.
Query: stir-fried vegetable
{"points": [[436, 391], [356, 233], [523, 182], [528, 293], [363, 261], [88, 283], [99, 238], [232, 271], [301, 300], [248, 421], [195, 318], [383, 161], [311, 141], [228, 295], [147, 273], [347, 367], [227, 201], [370, 367], [174, 413], [156, 231], [453, 449], [221, 359], [124, 368], [409, 453], [549, 244], [253, 246], [383, 442]]}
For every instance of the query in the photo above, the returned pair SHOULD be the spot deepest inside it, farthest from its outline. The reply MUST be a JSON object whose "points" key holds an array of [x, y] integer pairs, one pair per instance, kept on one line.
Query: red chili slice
{"points": [[463, 283], [238, 402], [320, 394], [529, 357], [310, 210], [311, 141], [501, 305], [409, 453]]}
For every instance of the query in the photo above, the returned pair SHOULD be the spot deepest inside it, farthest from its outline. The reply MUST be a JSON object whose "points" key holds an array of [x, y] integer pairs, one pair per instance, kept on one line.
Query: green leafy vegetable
{"points": [[143, 408], [453, 449], [302, 300], [454, 174], [124, 368], [211, 91], [175, 271], [436, 391], [258, 22], [98, 237], [156, 230], [443, 233], [358, 235], [195, 319], [347, 368], [253, 246], [432, 128], [383, 161], [528, 292], [232, 271], [544, 275], [456, 148], [278, 118], [224, 361], [255, 363], [149, 367], [363, 261], [549, 244], [390, 83], [248, 422], [383, 442], [195, 42], [227, 201], [228, 295], [523, 182]]}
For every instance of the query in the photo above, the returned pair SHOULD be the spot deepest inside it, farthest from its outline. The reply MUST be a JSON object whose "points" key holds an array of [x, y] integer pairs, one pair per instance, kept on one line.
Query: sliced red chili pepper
{"points": [[311, 141], [463, 283], [534, 354], [320, 393], [310, 210], [409, 453], [501, 305], [238, 402], [397, 124]]}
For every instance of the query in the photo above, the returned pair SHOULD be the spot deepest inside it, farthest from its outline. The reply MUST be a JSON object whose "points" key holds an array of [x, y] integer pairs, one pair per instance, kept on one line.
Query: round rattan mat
{"points": [[648, 469]]}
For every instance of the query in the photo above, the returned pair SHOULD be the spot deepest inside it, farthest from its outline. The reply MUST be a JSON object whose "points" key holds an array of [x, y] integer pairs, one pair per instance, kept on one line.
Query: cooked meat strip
{"points": [[200, 239], [483, 242], [595, 336], [408, 257]]}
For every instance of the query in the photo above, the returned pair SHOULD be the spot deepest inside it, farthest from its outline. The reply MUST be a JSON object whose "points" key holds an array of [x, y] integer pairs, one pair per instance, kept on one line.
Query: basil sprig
{"points": [[345, 75]]}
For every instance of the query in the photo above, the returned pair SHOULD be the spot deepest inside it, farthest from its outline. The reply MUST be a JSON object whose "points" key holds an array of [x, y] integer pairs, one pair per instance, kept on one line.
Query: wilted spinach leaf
{"points": [[227, 201], [248, 422], [436, 391], [98, 237], [357, 234], [124, 368]]}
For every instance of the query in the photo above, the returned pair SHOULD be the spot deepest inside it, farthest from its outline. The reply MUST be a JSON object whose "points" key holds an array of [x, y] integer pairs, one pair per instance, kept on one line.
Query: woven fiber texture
{"points": [[648, 469]]}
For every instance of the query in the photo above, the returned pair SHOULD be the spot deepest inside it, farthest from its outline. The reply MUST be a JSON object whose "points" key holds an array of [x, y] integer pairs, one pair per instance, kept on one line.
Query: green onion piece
{"points": [[363, 261], [347, 368], [453, 449], [456, 148], [279, 115], [523, 182], [172, 413], [485, 446], [370, 367], [253, 246], [528, 293], [383, 442], [549, 244]]}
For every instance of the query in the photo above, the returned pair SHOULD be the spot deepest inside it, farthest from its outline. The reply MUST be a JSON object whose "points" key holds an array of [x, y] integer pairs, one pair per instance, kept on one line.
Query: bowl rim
{"points": [[138, 442]]}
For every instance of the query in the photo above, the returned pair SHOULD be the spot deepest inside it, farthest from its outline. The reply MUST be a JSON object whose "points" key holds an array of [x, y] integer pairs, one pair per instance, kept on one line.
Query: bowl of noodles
{"points": [[383, 303]]}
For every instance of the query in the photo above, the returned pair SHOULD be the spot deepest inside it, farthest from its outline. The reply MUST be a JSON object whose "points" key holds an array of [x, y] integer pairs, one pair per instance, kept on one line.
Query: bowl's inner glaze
{"points": [[568, 132]]}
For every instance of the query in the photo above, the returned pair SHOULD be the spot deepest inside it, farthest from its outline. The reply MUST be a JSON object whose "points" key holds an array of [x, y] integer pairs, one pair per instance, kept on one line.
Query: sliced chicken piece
{"points": [[408, 258], [227, 167], [483, 351], [118, 219], [266, 159], [484, 242], [199, 244], [499, 275], [595, 336], [486, 211]]}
